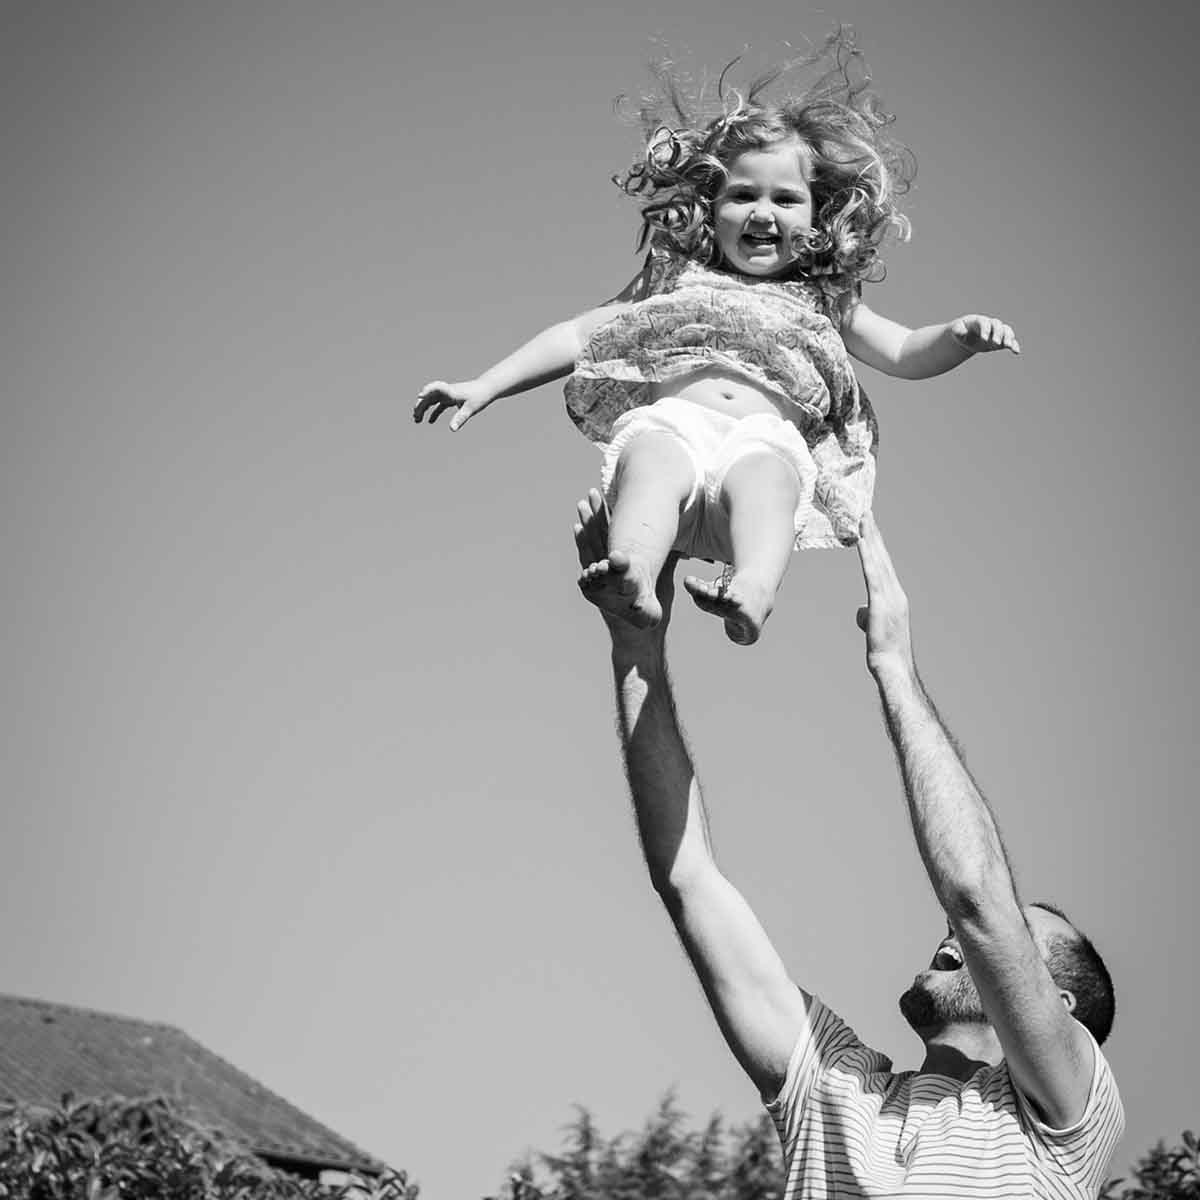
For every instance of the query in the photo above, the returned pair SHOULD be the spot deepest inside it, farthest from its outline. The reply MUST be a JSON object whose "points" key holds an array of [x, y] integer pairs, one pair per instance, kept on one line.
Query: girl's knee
{"points": [[655, 455], [760, 477]]}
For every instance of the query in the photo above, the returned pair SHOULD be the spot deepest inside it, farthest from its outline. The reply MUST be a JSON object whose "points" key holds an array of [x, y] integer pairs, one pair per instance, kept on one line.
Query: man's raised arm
{"points": [[759, 1009], [1049, 1054]]}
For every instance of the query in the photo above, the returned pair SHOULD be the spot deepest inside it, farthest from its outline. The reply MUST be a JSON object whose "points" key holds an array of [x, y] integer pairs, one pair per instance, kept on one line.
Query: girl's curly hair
{"points": [[856, 172]]}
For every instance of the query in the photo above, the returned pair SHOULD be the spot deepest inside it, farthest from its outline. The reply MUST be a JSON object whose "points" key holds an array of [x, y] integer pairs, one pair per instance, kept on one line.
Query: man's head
{"points": [[945, 994]]}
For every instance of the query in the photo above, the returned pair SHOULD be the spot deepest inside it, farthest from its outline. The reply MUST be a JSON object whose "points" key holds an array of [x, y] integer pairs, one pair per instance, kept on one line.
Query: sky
{"points": [[306, 735]]}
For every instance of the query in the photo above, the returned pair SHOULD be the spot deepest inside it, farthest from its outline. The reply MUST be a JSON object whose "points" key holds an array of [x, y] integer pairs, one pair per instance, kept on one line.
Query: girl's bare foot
{"points": [[740, 601], [622, 589]]}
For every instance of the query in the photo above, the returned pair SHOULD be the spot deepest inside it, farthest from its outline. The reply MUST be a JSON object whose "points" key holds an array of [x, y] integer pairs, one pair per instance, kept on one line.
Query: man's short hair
{"points": [[1076, 966]]}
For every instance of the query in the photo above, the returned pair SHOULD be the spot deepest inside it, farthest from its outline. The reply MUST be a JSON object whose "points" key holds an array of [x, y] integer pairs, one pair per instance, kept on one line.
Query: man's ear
{"points": [[1068, 999]]}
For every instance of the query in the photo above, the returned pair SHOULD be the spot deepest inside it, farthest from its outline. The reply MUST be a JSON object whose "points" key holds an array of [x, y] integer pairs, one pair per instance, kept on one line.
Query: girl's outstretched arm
{"points": [[548, 356], [922, 353]]}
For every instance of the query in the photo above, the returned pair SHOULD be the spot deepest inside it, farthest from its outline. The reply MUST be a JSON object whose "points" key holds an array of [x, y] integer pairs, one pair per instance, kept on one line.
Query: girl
{"points": [[718, 383]]}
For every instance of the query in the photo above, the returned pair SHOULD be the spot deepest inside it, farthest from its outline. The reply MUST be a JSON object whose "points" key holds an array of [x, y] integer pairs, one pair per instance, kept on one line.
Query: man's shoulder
{"points": [[1103, 1114], [828, 1043]]}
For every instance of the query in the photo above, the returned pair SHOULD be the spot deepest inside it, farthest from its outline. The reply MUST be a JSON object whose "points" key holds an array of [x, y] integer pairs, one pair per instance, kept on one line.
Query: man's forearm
{"points": [[954, 828], [666, 794], [758, 1008]]}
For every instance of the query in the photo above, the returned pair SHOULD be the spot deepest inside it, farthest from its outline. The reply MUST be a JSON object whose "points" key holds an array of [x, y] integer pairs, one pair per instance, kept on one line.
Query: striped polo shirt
{"points": [[851, 1127]]}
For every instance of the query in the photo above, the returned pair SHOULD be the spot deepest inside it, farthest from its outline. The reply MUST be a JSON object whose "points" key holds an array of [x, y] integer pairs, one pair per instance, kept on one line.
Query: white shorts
{"points": [[714, 442]]}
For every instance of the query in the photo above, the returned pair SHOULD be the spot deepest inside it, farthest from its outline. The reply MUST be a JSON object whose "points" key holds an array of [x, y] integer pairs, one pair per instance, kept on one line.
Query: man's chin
{"points": [[918, 1009], [927, 1011]]}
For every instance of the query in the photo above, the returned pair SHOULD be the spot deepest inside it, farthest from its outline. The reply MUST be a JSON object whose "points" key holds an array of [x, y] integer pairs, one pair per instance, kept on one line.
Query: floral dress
{"points": [[782, 335]]}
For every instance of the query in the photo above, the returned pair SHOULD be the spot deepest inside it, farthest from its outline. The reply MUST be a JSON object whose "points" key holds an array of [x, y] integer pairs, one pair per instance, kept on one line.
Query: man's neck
{"points": [[960, 1050]]}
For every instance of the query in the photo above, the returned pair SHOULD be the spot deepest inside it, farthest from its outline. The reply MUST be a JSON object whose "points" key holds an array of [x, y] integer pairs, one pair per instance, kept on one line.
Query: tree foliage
{"points": [[665, 1160], [118, 1149], [1162, 1174]]}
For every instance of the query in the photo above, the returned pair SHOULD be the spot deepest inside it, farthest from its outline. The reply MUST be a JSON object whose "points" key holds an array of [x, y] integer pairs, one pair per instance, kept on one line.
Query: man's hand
{"points": [[979, 334], [435, 398], [591, 541], [885, 618]]}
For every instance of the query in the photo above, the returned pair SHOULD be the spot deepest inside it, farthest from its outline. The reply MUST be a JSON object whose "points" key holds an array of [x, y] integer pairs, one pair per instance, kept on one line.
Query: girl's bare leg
{"points": [[653, 479], [760, 494]]}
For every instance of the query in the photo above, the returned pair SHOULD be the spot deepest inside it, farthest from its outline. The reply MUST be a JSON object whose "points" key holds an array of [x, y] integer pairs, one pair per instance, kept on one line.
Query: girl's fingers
{"points": [[977, 332], [427, 397], [1001, 337], [433, 400], [466, 410], [425, 405]]}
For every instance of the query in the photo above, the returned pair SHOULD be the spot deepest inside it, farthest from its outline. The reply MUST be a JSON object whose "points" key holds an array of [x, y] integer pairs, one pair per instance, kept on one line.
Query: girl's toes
{"points": [[700, 590], [593, 576]]}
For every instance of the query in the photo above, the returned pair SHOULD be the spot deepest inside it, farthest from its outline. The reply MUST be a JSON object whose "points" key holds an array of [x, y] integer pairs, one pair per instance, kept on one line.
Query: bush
{"points": [[1162, 1174], [118, 1149], [664, 1161]]}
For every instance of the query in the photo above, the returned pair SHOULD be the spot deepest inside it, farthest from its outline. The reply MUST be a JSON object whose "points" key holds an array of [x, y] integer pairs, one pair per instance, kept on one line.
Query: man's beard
{"points": [[924, 1008]]}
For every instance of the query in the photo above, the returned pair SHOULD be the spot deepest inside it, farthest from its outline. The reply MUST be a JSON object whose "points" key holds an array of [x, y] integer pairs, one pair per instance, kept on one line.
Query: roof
{"points": [[48, 1049]]}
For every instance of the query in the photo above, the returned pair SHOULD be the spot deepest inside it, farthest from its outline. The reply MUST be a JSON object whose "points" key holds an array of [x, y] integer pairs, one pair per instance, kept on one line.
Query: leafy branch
{"points": [[119, 1149]]}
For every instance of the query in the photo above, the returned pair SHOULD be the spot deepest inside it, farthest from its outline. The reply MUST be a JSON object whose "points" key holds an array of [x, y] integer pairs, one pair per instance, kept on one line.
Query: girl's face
{"points": [[762, 207]]}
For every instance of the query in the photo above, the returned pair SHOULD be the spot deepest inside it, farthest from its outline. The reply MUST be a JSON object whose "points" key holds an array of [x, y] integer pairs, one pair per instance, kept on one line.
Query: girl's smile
{"points": [[763, 209]]}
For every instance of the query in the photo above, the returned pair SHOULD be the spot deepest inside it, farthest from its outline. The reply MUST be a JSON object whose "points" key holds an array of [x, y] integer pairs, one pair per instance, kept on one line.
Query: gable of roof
{"points": [[49, 1049]]}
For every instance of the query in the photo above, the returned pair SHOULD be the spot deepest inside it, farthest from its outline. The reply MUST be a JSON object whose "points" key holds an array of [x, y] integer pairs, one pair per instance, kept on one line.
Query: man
{"points": [[1014, 1097]]}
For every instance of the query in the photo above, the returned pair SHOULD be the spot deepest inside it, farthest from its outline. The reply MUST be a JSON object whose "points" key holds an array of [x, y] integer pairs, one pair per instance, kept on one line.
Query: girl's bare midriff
{"points": [[722, 390]]}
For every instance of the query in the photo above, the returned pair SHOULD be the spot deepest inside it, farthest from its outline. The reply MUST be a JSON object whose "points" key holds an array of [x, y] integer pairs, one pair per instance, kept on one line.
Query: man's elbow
{"points": [[670, 885], [679, 880], [979, 899]]}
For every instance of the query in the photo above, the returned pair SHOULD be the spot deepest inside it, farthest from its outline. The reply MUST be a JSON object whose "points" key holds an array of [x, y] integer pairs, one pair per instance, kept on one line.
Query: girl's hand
{"points": [[977, 334], [437, 397]]}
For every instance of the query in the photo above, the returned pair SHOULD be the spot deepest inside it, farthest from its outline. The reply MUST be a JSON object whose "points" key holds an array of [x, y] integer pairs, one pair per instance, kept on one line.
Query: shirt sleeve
{"points": [[824, 1039], [1083, 1152]]}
